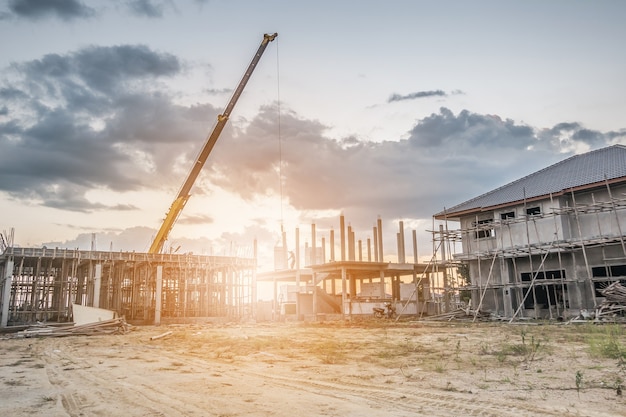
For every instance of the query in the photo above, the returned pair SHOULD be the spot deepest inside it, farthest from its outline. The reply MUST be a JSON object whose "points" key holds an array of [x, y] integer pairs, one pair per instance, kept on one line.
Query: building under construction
{"points": [[350, 278], [41, 285], [546, 245]]}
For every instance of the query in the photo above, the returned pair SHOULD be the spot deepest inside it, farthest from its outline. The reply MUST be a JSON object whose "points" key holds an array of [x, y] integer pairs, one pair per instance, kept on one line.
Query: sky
{"points": [[362, 108]]}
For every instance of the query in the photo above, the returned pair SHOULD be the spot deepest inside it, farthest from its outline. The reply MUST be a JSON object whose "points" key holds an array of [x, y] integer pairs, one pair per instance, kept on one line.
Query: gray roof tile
{"points": [[576, 171]]}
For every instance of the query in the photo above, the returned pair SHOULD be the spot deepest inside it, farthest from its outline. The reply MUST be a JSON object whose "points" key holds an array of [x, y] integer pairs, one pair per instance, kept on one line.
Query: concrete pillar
{"points": [[381, 253], [323, 250], [158, 295], [332, 245], [369, 250], [375, 244], [399, 248], [97, 281], [350, 245], [360, 250], [344, 298], [353, 245], [402, 252], [6, 291], [415, 258], [343, 237]]}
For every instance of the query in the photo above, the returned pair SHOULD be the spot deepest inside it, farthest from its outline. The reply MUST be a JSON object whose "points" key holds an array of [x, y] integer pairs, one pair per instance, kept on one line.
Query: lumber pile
{"points": [[459, 314], [614, 305], [611, 310], [113, 326]]}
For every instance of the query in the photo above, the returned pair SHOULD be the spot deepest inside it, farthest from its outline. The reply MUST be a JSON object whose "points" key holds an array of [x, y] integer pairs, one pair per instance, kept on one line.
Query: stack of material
{"points": [[614, 304], [460, 314], [114, 326]]}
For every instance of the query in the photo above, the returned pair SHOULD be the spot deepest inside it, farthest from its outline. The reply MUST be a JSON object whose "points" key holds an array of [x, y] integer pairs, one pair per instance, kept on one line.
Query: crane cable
{"points": [[280, 148]]}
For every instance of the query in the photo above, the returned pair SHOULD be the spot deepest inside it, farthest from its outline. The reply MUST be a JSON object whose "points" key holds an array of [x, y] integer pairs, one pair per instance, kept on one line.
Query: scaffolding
{"points": [[41, 285], [546, 258]]}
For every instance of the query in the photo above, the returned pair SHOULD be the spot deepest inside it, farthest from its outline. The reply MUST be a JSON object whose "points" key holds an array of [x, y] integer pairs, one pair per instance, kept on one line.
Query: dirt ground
{"points": [[365, 368]]}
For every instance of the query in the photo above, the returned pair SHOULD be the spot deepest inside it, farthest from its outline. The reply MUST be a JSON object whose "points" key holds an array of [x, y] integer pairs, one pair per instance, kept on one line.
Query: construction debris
{"points": [[160, 336], [113, 326], [612, 309], [460, 314], [614, 305]]}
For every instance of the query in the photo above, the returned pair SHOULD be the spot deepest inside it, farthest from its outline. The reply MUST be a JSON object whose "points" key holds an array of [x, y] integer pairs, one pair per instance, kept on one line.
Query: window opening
{"points": [[533, 211], [484, 229], [508, 215], [610, 272]]}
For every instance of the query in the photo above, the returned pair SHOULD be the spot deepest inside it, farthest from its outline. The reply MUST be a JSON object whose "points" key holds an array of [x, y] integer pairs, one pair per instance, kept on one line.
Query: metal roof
{"points": [[577, 171]]}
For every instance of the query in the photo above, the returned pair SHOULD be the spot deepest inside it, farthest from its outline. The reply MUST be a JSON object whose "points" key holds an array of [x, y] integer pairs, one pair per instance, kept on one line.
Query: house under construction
{"points": [[41, 285], [543, 246]]}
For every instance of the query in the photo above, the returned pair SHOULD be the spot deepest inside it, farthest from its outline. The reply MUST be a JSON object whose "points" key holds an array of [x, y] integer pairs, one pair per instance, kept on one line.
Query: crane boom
{"points": [[184, 192]]}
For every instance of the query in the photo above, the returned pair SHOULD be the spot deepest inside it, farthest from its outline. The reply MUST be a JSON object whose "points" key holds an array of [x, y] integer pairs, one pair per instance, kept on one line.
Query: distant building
{"points": [[544, 245]]}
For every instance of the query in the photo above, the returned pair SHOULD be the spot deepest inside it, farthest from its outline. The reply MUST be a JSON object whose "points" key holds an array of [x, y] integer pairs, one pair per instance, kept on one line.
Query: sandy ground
{"points": [[368, 368]]}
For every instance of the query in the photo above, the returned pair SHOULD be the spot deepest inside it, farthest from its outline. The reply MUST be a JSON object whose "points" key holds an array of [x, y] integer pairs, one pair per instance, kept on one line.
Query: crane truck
{"points": [[185, 191]]}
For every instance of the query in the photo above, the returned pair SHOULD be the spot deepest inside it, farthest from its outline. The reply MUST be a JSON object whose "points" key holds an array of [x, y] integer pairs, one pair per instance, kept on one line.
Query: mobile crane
{"points": [[184, 192]]}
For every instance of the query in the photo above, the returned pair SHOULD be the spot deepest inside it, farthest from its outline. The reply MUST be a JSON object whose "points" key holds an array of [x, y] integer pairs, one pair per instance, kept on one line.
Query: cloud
{"points": [[128, 240], [63, 9], [103, 118], [419, 94], [95, 118], [145, 8], [447, 158], [195, 219]]}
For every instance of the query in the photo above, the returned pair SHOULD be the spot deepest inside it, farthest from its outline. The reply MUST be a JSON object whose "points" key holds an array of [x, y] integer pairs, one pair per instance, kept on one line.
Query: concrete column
{"points": [[353, 245], [381, 253], [415, 258], [323, 250], [402, 253], [344, 298], [158, 295], [97, 281], [360, 250], [343, 237], [6, 291], [399, 248], [369, 250], [375, 230], [332, 245], [350, 245]]}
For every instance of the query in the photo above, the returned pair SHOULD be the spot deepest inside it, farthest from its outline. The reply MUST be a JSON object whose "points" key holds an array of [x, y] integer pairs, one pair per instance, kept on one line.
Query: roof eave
{"points": [[456, 215]]}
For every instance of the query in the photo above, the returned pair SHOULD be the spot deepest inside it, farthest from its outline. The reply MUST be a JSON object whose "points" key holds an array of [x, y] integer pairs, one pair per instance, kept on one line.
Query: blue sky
{"points": [[394, 109]]}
